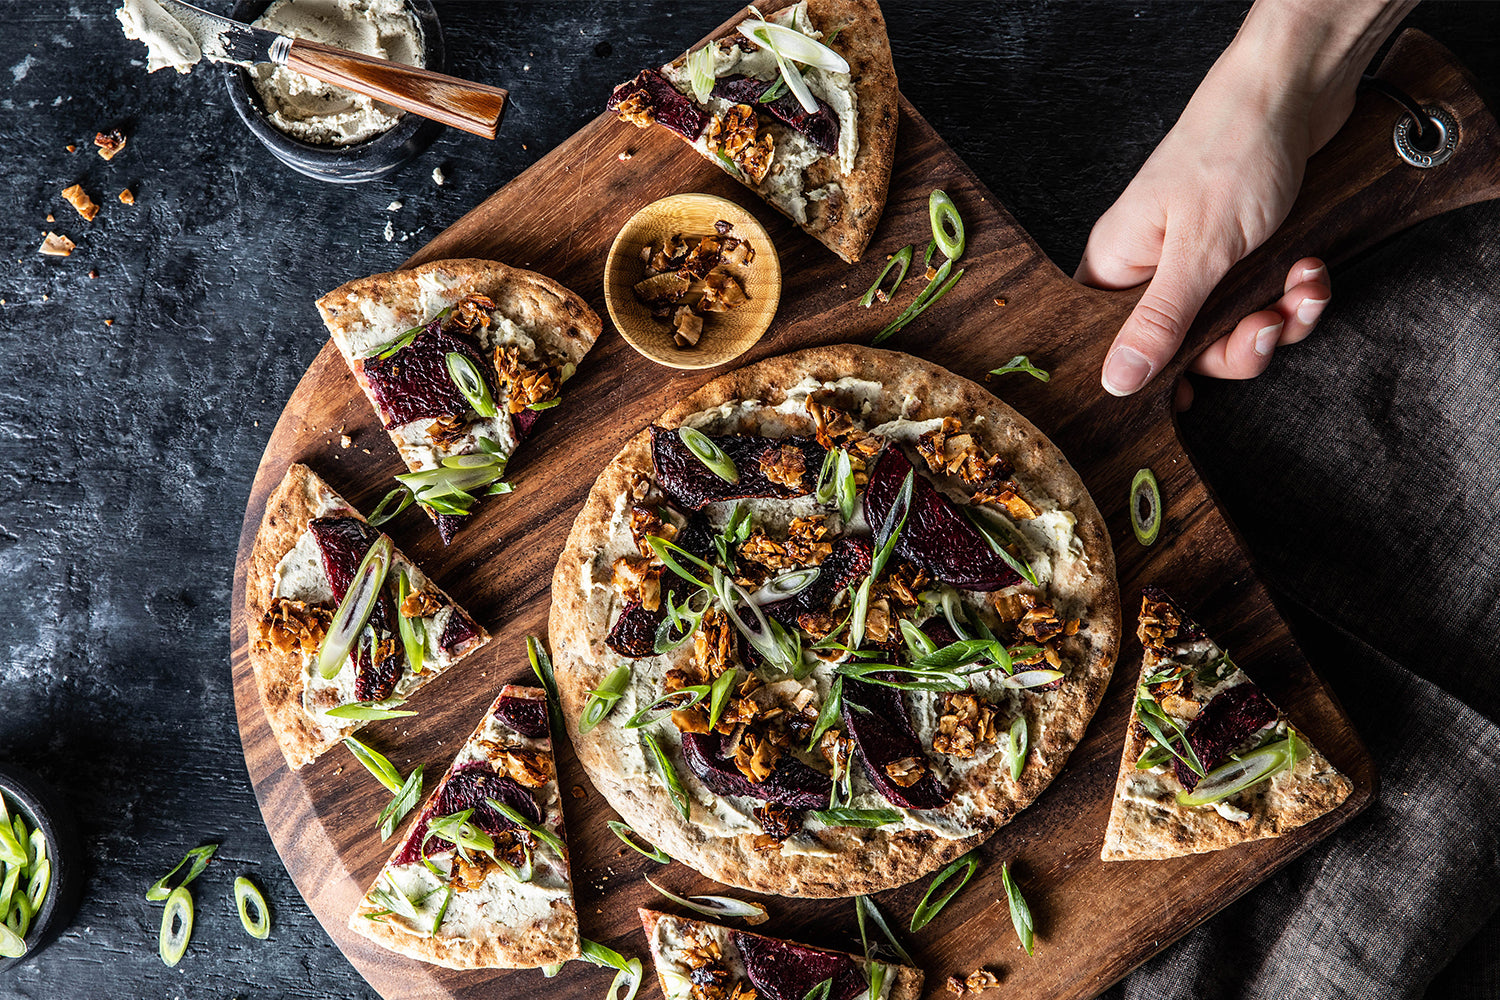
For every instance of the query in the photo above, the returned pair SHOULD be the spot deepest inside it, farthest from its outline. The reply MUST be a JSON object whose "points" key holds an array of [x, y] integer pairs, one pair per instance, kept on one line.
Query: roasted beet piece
{"points": [[523, 422], [939, 631], [688, 481], [820, 128], [414, 383], [634, 632], [467, 788], [883, 735], [527, 716], [459, 630], [937, 536], [669, 107], [1230, 719], [793, 783], [849, 562], [782, 970], [343, 542]]}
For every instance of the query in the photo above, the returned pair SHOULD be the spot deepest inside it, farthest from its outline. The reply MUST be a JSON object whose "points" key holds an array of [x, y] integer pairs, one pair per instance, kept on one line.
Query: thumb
{"points": [[1183, 280]]}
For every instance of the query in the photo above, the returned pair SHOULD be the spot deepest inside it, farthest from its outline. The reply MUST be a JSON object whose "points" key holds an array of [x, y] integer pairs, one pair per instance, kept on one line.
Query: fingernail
{"points": [[1310, 310], [1125, 371], [1312, 273], [1266, 337]]}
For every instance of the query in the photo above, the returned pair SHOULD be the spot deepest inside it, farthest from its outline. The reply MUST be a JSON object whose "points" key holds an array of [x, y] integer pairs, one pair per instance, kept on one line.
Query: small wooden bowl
{"points": [[726, 335]]}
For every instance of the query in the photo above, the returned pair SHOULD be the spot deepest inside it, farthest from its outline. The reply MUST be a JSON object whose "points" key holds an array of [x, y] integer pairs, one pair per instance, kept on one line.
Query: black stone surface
{"points": [[126, 450]]}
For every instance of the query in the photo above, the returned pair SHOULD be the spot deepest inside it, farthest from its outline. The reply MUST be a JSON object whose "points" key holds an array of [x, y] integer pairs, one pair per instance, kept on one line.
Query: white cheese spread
{"points": [[169, 42]]}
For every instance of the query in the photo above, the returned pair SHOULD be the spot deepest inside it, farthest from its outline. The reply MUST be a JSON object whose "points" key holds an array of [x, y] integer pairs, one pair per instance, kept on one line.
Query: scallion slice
{"points": [[403, 802], [927, 257], [668, 553], [929, 907], [41, 880], [700, 65], [781, 649], [196, 860], [709, 453], [354, 610], [8, 889], [830, 713], [935, 290], [918, 643], [865, 908], [21, 912], [457, 830], [1145, 506], [1021, 363], [773, 92], [718, 694], [943, 214], [1156, 756], [901, 262], [368, 711], [788, 584], [793, 44], [666, 704], [602, 700], [247, 896], [627, 837], [860, 818], [413, 632], [12, 851], [12, 945], [553, 842], [1020, 742], [736, 529], [1158, 722], [381, 515], [977, 517], [437, 921], [541, 665], [376, 763], [1020, 913], [629, 974], [820, 991], [1250, 769], [717, 906], [470, 381], [675, 787], [1030, 679], [176, 926]]}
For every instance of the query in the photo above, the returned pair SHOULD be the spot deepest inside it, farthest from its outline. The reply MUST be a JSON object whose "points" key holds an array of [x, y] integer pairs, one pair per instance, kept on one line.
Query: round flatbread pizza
{"points": [[831, 621]]}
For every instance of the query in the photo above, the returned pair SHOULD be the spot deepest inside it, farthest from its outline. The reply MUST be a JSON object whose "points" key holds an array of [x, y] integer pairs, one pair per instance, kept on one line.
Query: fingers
{"points": [[1247, 350]]}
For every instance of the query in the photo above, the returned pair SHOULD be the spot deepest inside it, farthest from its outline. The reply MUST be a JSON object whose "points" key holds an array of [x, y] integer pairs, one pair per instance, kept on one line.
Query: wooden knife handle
{"points": [[473, 107]]}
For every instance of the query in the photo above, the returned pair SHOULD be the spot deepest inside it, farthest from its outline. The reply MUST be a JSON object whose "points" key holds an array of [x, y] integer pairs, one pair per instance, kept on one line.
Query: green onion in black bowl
{"points": [[54, 866]]}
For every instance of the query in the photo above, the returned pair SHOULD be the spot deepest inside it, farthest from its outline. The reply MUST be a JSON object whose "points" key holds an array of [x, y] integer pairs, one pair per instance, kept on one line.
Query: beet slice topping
{"points": [[414, 382], [688, 481], [634, 632], [527, 716], [793, 783], [937, 536], [821, 128], [459, 630], [448, 525], [668, 106], [1228, 720], [467, 788], [783, 970], [523, 422], [882, 735], [939, 631], [848, 563], [343, 542]]}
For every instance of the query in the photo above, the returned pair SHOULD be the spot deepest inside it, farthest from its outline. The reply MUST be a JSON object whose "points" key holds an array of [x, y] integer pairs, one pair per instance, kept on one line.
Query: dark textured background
{"points": [[126, 450]]}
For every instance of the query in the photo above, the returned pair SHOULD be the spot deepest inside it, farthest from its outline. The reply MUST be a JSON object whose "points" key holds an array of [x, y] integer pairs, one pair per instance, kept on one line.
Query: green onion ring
{"points": [[442, 912], [1145, 491], [942, 212], [403, 802], [12, 945], [627, 837], [20, 916], [354, 610], [709, 453], [929, 907], [1251, 769], [1020, 739], [247, 894], [1021, 363], [900, 259], [41, 880], [196, 859], [470, 381], [675, 787], [602, 700], [554, 844], [176, 926]]}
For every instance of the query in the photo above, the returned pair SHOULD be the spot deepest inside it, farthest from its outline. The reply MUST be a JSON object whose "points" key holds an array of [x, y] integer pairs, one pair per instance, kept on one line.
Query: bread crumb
{"points": [[109, 322], [394, 206], [93, 272], [109, 143], [54, 245], [50, 218], [627, 154], [438, 177], [71, 148], [126, 197], [345, 441], [79, 199]]}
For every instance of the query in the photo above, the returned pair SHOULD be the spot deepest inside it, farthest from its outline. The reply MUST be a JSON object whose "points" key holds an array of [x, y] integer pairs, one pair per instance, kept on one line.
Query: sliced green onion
{"points": [[448, 489], [541, 665], [977, 517], [8, 889], [12, 945], [736, 530], [602, 700], [246, 896], [23, 837], [1030, 679], [196, 860], [886, 535], [1020, 742], [793, 44], [380, 515], [830, 713], [41, 880], [864, 907], [679, 623], [718, 695], [675, 787], [772, 92], [20, 916], [700, 65], [1156, 756], [1157, 722], [629, 975], [1021, 363], [403, 802], [554, 844], [457, 830], [861, 818], [545, 404], [788, 584], [368, 711], [820, 991], [935, 290], [900, 259], [437, 921], [927, 257], [523, 874], [176, 926], [354, 610], [12, 852], [929, 907], [1020, 913], [413, 632], [551, 971], [470, 381], [376, 763], [729, 166], [391, 347], [836, 482], [1145, 506], [627, 837], [1251, 769], [875, 972], [667, 553], [393, 899], [717, 906], [38, 850], [782, 649], [943, 214], [918, 643], [709, 453], [666, 704]]}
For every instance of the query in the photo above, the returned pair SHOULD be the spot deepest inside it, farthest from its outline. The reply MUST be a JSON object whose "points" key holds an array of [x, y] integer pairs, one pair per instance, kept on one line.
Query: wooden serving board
{"points": [[559, 218]]}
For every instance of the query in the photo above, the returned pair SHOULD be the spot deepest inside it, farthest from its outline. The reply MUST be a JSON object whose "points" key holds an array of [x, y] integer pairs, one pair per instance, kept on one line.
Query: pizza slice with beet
{"points": [[1209, 761], [482, 878]]}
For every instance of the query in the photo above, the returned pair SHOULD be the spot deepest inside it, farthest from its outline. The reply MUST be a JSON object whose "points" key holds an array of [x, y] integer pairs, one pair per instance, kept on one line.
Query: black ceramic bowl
{"points": [[40, 805], [369, 160]]}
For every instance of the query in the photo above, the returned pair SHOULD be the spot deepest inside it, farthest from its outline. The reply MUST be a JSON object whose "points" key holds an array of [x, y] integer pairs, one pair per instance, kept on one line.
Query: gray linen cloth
{"points": [[1364, 472]]}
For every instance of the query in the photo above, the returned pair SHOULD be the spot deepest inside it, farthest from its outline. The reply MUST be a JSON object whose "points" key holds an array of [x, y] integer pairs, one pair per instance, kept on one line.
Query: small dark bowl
{"points": [[43, 809], [358, 162]]}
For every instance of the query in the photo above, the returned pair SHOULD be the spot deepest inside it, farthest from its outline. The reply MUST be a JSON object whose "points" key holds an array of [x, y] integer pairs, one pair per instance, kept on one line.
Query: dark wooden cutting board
{"points": [[1095, 921]]}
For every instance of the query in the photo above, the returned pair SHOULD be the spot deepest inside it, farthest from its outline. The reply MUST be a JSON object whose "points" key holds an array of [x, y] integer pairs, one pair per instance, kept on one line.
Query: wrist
{"points": [[1317, 47]]}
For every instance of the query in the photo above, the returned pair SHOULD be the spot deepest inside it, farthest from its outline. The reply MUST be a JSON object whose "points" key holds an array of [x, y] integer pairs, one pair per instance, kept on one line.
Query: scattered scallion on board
{"points": [[865, 909], [1145, 506], [930, 907], [900, 262], [1021, 363], [247, 897], [717, 906], [629, 972], [1020, 913], [947, 236], [628, 838], [176, 926]]}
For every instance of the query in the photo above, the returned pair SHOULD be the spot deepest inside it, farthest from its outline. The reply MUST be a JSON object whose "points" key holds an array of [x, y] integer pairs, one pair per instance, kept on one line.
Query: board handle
{"points": [[473, 107], [1358, 189]]}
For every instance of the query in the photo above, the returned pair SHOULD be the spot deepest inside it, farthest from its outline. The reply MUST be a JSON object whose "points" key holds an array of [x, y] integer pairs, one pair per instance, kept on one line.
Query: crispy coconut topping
{"points": [[290, 626], [966, 722], [1160, 625], [527, 386], [902, 585], [471, 311], [779, 821], [721, 292], [947, 450], [645, 524], [713, 644], [532, 768], [784, 465], [422, 603], [836, 429], [662, 289], [975, 982], [756, 756], [470, 872], [1007, 494], [54, 245], [638, 579], [109, 143], [687, 327], [907, 771], [80, 200], [636, 109], [448, 430]]}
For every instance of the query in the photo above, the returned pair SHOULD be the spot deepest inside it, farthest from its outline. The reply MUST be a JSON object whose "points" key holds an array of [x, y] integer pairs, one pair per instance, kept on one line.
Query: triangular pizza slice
{"points": [[482, 879], [459, 358], [800, 107], [1209, 761], [696, 959], [306, 557]]}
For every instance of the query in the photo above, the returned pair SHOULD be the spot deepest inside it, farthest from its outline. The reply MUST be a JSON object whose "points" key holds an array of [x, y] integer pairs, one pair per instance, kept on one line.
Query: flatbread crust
{"points": [[295, 502], [547, 942], [865, 861], [1138, 832], [906, 982]]}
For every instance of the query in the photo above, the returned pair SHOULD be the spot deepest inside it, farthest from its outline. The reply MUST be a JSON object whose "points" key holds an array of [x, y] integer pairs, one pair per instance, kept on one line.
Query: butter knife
{"points": [[473, 107]]}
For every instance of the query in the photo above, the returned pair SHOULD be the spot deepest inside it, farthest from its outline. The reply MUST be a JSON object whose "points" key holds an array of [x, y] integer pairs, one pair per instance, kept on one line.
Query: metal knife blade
{"points": [[228, 41]]}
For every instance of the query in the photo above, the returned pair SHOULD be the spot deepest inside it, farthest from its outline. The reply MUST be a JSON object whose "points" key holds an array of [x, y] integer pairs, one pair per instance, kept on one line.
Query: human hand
{"points": [[1220, 184]]}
